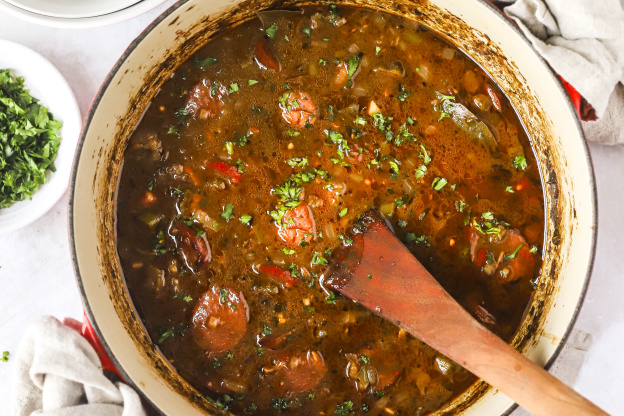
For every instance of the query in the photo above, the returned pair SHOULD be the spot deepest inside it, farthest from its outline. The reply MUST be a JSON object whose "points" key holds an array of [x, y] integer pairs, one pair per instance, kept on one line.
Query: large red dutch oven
{"points": [[474, 26]]}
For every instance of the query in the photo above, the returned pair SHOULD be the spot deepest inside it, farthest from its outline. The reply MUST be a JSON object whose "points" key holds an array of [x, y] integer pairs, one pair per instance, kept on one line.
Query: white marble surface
{"points": [[36, 276]]}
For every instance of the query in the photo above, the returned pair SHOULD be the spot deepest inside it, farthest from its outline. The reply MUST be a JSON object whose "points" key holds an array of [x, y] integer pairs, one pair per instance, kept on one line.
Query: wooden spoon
{"points": [[378, 272]]}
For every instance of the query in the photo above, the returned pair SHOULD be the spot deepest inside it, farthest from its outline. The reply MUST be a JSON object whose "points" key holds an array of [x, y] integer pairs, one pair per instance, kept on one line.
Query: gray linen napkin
{"points": [[583, 41], [58, 373]]}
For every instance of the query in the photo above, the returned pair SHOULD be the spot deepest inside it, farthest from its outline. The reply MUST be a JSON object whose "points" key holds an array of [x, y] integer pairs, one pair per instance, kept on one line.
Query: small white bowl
{"points": [[47, 84]]}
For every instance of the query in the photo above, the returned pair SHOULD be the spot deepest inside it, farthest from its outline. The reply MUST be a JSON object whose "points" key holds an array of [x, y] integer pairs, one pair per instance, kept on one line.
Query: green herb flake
{"points": [[352, 65], [438, 184], [331, 298], [343, 212], [168, 333], [307, 30], [245, 219], [288, 251], [365, 359], [251, 82], [533, 250], [207, 61], [514, 253], [509, 189], [266, 330], [233, 88], [5, 356], [344, 408], [519, 162], [297, 162], [227, 212], [271, 31], [223, 295], [309, 309], [377, 50]]}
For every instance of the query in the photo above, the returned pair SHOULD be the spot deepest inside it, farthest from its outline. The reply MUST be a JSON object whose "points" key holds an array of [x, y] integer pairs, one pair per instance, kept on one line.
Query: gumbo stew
{"points": [[251, 167]]}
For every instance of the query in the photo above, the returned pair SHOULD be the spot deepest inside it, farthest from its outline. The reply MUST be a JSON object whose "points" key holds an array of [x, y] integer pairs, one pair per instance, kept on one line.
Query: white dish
{"points": [[72, 9], [134, 10], [47, 84]]}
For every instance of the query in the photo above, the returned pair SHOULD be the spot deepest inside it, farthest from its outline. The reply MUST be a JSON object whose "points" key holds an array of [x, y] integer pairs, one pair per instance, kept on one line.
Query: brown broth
{"points": [[167, 185]]}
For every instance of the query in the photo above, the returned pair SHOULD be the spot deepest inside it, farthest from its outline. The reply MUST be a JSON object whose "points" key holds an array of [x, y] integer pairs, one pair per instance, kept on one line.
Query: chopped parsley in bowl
{"points": [[29, 141]]}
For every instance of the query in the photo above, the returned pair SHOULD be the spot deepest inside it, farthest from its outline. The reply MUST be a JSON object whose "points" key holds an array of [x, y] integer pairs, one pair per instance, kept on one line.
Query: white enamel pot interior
{"points": [[474, 26]]}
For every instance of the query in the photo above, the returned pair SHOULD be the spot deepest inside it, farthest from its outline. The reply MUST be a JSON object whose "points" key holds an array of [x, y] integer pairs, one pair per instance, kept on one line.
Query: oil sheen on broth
{"points": [[254, 162]]}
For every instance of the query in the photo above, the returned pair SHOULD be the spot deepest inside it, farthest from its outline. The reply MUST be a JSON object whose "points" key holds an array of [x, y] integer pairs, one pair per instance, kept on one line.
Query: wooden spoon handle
{"points": [[388, 280]]}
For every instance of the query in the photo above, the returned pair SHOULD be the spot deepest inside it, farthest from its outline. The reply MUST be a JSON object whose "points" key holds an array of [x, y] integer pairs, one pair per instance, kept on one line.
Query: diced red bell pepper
{"points": [[279, 275], [227, 170]]}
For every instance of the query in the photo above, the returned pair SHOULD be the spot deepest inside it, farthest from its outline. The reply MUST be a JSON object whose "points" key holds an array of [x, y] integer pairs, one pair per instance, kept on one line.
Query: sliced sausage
{"points": [[220, 319], [299, 373]]}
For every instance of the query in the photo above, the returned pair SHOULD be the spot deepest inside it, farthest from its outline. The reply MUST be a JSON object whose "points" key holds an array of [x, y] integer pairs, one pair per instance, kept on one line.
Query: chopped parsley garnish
{"points": [[173, 130], [514, 253], [233, 88], [288, 251], [403, 94], [377, 50], [271, 31], [159, 244], [509, 189], [266, 330], [331, 298], [352, 65], [5, 356], [533, 250], [297, 162], [168, 333], [251, 82], [318, 259], [519, 162], [223, 295], [207, 61], [460, 205], [150, 185], [487, 216], [365, 359], [309, 309], [307, 30], [425, 155], [227, 212], [186, 298], [344, 408], [322, 62], [438, 183], [245, 219], [343, 212], [413, 238], [421, 171], [292, 132]]}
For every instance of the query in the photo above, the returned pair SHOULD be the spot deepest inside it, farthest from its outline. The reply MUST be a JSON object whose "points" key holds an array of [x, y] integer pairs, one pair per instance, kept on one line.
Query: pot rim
{"points": [[130, 49]]}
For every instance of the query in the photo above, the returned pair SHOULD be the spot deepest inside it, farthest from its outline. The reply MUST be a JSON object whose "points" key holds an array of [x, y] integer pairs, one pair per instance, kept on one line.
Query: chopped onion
{"points": [[353, 49], [330, 232], [448, 53], [357, 177], [423, 71], [235, 386], [360, 91]]}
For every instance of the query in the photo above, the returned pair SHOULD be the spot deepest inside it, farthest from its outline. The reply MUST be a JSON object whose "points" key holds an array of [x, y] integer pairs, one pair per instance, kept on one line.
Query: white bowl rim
{"points": [[497, 12], [121, 15]]}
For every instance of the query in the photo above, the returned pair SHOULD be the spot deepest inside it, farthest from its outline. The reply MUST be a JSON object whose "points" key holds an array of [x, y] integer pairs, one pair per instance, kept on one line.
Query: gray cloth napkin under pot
{"points": [[583, 41], [58, 373]]}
